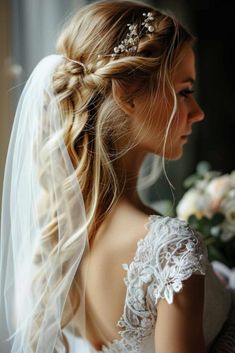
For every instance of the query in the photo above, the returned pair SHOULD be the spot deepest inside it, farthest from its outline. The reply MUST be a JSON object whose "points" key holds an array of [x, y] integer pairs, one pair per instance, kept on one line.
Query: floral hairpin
{"points": [[130, 43]]}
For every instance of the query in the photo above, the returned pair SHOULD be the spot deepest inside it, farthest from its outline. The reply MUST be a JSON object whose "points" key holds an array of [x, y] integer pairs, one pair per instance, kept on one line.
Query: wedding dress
{"points": [[171, 252]]}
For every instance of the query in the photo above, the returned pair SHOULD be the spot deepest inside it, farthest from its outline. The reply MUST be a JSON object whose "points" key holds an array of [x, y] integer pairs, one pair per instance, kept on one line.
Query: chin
{"points": [[171, 155], [174, 155]]}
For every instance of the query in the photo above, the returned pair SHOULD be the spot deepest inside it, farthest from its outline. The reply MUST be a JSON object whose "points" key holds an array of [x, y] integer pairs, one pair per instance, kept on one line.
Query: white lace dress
{"points": [[171, 252]]}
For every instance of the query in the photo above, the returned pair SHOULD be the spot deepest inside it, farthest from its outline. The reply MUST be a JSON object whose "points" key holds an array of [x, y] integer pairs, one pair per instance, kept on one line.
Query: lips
{"points": [[187, 134]]}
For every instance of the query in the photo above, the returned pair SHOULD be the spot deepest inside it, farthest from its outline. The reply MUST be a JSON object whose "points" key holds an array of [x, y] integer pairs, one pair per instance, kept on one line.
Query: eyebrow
{"points": [[189, 79]]}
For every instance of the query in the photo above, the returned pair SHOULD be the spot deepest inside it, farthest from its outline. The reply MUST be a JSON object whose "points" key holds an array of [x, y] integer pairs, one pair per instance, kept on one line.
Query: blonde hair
{"points": [[93, 122]]}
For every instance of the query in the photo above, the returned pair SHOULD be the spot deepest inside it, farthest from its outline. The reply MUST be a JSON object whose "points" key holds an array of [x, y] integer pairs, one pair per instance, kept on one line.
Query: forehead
{"points": [[186, 71]]}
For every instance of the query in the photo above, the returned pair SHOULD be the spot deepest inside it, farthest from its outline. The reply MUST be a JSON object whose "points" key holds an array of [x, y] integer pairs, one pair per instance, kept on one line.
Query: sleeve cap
{"points": [[180, 252]]}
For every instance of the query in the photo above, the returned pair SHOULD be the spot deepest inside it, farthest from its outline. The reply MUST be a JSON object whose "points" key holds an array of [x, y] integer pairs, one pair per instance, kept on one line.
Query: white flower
{"points": [[188, 205], [228, 226], [169, 283], [202, 185], [232, 179]]}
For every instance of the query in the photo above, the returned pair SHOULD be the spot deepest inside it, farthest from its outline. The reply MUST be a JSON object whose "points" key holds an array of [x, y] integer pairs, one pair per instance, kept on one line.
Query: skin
{"points": [[179, 326]]}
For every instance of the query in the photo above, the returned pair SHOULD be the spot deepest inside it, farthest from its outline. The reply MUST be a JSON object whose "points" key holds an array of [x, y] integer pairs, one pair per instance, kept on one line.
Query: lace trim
{"points": [[157, 271]]}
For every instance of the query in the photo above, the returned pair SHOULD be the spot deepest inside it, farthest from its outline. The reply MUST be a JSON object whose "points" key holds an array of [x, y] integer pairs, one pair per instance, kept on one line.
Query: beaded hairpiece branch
{"points": [[130, 43]]}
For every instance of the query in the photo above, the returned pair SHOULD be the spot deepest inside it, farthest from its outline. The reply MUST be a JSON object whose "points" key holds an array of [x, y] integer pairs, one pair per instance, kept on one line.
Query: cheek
{"points": [[183, 106], [180, 118], [176, 123]]}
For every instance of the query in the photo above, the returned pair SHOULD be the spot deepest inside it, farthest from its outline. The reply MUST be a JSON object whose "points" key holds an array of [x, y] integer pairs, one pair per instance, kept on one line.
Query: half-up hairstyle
{"points": [[92, 120]]}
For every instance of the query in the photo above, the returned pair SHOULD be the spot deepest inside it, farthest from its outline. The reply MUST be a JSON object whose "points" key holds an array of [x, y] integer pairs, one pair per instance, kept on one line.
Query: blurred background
{"points": [[28, 31]]}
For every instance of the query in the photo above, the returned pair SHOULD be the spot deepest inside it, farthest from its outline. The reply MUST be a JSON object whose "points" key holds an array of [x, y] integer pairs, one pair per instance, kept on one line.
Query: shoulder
{"points": [[174, 234], [170, 227], [179, 285], [177, 238], [182, 319]]}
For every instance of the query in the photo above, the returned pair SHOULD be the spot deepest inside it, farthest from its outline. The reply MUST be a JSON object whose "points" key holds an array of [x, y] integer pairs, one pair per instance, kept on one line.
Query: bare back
{"points": [[115, 243]]}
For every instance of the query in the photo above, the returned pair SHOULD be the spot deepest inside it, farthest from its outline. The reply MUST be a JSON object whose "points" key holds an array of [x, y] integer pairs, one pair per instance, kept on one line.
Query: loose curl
{"points": [[93, 123]]}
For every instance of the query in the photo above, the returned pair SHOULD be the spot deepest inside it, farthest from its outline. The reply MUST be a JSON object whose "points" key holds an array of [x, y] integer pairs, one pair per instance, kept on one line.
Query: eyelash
{"points": [[186, 92]]}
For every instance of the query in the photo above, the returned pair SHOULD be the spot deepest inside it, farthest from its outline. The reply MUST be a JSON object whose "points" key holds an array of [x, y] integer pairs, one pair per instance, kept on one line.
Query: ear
{"points": [[119, 95]]}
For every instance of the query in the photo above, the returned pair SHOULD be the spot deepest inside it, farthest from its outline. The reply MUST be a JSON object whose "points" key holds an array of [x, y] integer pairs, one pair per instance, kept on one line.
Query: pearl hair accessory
{"points": [[130, 43]]}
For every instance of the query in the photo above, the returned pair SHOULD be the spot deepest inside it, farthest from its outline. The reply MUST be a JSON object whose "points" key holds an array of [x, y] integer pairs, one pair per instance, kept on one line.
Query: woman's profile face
{"points": [[188, 113]]}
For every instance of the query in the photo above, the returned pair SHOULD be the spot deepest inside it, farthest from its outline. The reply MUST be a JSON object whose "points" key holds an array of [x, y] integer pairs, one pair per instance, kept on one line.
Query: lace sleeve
{"points": [[168, 254], [178, 251]]}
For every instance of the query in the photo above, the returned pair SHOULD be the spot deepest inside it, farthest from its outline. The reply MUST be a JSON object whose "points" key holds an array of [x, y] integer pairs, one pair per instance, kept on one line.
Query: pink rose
{"points": [[217, 189]]}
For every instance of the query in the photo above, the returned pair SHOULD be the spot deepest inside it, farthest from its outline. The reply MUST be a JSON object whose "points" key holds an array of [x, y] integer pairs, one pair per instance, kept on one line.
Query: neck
{"points": [[131, 162]]}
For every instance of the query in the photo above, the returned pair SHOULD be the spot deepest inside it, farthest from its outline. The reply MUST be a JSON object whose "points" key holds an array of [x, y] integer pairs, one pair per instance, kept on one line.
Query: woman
{"points": [[86, 266]]}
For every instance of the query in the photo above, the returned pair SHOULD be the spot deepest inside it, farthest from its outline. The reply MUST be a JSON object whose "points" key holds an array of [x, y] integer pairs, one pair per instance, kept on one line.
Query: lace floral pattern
{"points": [[169, 253]]}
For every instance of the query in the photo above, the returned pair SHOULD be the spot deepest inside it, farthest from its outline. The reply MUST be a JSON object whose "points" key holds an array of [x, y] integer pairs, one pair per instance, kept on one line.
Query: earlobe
{"points": [[132, 104]]}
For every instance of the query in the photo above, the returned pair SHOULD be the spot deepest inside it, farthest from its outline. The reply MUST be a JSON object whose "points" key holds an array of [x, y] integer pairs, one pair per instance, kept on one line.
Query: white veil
{"points": [[43, 226]]}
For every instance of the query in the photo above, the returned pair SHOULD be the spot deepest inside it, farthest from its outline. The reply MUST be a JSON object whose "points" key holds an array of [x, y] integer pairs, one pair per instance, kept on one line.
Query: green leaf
{"points": [[204, 225], [215, 254], [193, 221], [203, 167], [217, 219], [190, 181], [212, 174], [205, 221], [209, 240]]}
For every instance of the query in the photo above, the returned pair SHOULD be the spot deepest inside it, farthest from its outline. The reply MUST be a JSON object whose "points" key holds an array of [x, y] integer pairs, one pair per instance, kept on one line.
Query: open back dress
{"points": [[170, 252]]}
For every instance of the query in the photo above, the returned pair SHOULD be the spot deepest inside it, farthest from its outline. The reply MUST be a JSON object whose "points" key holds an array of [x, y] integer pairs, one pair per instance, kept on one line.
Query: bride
{"points": [[86, 266]]}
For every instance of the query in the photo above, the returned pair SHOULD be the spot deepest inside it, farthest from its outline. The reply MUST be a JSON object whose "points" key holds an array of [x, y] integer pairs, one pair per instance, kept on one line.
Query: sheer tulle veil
{"points": [[43, 227]]}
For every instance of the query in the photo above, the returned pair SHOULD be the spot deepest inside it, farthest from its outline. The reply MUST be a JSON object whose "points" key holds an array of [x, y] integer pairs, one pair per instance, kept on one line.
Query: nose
{"points": [[196, 114]]}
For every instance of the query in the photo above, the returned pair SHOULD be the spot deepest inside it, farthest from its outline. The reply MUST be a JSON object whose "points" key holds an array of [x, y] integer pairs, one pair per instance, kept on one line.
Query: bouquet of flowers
{"points": [[209, 206]]}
